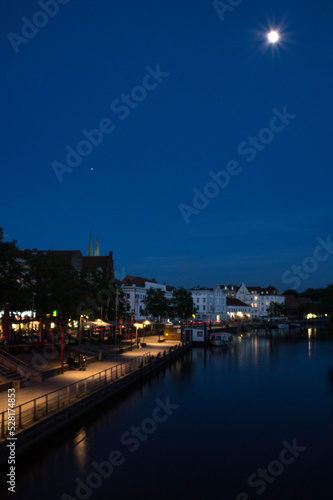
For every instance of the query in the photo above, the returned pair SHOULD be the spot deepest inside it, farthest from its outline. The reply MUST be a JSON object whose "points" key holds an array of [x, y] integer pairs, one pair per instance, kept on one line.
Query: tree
{"points": [[182, 303], [326, 301], [12, 274], [290, 291], [53, 283], [157, 304], [276, 309]]}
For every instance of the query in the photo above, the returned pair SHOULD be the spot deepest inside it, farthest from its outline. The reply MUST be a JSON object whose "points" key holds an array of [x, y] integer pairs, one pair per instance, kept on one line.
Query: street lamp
{"points": [[115, 330], [80, 326], [137, 325], [145, 324]]}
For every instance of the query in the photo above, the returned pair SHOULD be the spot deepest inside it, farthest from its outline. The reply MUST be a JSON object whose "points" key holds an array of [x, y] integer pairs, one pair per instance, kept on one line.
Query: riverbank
{"points": [[60, 400], [237, 407]]}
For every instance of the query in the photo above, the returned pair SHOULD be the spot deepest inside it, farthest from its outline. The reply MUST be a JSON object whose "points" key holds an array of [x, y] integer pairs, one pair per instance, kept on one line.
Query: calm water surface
{"points": [[253, 421]]}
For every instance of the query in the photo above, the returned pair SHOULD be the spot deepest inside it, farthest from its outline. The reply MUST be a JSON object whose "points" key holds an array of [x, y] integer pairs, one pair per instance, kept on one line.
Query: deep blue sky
{"points": [[222, 86]]}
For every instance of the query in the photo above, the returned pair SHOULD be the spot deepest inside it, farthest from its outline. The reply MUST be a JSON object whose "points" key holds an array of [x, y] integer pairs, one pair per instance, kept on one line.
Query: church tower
{"points": [[90, 247], [97, 248]]}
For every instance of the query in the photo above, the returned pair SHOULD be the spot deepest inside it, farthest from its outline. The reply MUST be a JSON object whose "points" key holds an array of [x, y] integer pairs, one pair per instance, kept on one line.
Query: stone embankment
{"points": [[42, 416]]}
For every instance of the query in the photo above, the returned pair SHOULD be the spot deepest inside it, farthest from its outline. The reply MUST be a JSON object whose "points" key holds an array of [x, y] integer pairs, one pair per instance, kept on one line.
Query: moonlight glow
{"points": [[273, 36]]}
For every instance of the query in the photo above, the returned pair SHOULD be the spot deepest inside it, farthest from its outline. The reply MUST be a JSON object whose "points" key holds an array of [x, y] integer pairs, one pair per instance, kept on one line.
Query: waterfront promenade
{"points": [[37, 389]]}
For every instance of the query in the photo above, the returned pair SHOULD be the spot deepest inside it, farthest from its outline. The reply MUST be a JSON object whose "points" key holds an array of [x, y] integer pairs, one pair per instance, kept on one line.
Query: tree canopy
{"points": [[182, 303], [276, 309], [46, 282], [12, 271], [157, 304]]}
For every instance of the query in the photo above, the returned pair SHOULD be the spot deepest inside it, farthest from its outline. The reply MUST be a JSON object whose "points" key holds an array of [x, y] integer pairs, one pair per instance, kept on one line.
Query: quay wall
{"points": [[29, 437]]}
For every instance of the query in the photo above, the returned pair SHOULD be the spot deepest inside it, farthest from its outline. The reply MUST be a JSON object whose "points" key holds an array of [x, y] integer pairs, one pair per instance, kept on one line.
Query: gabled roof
{"points": [[251, 289], [272, 290], [140, 282], [137, 281], [254, 289], [236, 302]]}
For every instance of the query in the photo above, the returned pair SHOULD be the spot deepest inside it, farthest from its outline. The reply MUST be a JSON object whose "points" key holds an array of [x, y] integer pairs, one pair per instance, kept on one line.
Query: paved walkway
{"points": [[37, 389]]}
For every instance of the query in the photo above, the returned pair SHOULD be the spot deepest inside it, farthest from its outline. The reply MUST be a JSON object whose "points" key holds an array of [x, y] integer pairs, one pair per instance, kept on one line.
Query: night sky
{"points": [[182, 93]]}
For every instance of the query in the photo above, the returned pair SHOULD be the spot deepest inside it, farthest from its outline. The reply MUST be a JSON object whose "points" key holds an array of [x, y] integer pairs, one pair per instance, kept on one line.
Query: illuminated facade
{"points": [[259, 298], [210, 303], [236, 309]]}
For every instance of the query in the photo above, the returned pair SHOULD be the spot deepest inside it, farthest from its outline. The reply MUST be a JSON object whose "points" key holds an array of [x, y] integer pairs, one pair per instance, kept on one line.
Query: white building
{"points": [[259, 298], [135, 292], [210, 303], [236, 309]]}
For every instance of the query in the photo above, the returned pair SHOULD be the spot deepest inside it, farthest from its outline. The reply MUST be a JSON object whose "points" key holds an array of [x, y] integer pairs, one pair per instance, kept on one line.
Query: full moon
{"points": [[273, 36]]}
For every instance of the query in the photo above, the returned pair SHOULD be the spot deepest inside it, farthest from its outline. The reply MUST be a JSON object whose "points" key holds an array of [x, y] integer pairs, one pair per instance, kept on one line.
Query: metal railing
{"points": [[37, 408], [17, 362], [31, 411]]}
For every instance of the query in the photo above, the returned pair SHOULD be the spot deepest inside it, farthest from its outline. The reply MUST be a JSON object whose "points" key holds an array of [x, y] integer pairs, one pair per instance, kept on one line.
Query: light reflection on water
{"points": [[236, 406], [80, 449]]}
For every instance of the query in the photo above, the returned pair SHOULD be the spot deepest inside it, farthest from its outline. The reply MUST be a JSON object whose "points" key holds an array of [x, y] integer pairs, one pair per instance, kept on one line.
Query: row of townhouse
{"points": [[226, 302], [218, 304], [210, 304], [213, 304], [222, 303]]}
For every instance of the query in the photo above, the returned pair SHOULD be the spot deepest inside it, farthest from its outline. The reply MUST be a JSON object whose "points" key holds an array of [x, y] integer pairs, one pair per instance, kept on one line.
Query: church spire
{"points": [[97, 248], [90, 247]]}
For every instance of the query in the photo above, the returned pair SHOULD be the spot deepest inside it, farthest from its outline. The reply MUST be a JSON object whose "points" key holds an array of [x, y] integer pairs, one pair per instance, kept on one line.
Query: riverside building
{"points": [[259, 298], [135, 291], [210, 303]]}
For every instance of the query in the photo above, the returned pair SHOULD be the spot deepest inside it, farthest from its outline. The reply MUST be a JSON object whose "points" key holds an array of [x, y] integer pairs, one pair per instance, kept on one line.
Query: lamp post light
{"points": [[137, 325], [62, 348], [145, 323], [115, 332], [80, 326]]}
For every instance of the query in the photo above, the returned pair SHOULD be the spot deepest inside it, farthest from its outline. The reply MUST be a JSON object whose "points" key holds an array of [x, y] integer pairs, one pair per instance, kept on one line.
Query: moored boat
{"points": [[221, 339], [282, 326]]}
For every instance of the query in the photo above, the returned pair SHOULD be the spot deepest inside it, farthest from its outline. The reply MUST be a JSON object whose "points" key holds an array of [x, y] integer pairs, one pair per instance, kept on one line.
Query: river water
{"points": [[254, 421]]}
